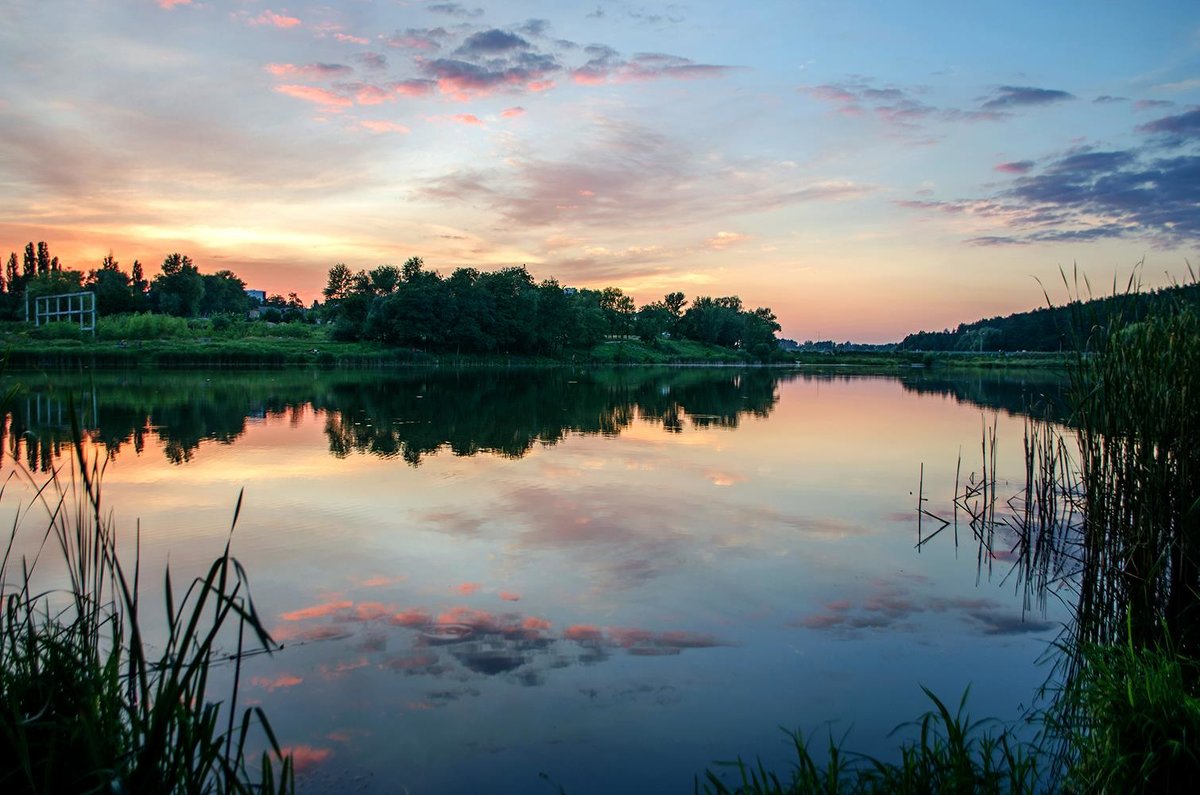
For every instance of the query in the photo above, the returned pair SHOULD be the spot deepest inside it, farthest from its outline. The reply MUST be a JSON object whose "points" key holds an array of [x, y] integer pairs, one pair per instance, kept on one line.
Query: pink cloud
{"points": [[467, 588], [512, 113], [467, 118], [410, 618], [412, 88], [169, 4], [589, 78], [283, 680], [535, 623], [317, 611], [582, 632], [347, 38], [540, 85], [384, 126], [372, 95], [372, 611], [308, 70], [1015, 167], [305, 757], [380, 581], [326, 99], [509, 596], [334, 671], [269, 17]]}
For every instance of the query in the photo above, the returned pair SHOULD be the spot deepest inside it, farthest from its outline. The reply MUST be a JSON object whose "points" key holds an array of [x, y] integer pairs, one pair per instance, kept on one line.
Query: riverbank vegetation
{"points": [[1109, 521], [89, 702]]}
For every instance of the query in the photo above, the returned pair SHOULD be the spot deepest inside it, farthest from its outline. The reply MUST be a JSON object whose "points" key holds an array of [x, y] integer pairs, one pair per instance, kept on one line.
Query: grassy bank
{"points": [[159, 341]]}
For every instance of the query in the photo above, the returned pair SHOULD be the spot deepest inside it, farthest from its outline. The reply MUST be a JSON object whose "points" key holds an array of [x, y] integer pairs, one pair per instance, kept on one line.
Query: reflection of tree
{"points": [[410, 414], [1013, 393], [506, 413]]}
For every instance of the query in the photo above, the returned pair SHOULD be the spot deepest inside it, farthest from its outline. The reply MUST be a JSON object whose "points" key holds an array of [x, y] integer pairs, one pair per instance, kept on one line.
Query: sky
{"points": [[865, 169]]}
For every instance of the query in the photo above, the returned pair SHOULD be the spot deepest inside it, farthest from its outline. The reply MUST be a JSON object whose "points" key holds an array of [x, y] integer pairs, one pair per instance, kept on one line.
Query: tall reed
{"points": [[86, 703]]}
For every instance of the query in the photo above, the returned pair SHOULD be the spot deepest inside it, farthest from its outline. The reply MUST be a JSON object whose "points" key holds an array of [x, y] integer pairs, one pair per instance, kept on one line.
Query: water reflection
{"points": [[612, 576], [413, 414]]}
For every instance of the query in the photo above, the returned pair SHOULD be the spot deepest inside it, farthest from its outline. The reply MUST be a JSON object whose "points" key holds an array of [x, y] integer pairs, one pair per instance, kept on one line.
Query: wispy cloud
{"points": [[1016, 167], [330, 70], [270, 18], [723, 240], [512, 113], [172, 3], [455, 10], [380, 126], [1008, 97], [328, 100]]}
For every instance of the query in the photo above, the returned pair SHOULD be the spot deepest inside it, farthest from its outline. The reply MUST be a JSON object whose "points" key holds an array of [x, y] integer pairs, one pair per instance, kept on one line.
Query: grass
{"points": [[950, 754], [86, 703]]}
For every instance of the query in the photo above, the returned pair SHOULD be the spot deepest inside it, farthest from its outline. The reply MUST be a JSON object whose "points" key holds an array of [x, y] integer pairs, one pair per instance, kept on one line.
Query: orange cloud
{"points": [[326, 99], [372, 611], [269, 17], [509, 596], [283, 680], [467, 118], [512, 113], [380, 581], [582, 632], [334, 671], [410, 618], [317, 611], [723, 240], [467, 588], [384, 126], [305, 757], [533, 622]]}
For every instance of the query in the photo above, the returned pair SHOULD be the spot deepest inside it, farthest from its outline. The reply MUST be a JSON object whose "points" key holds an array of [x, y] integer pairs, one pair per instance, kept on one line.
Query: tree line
{"points": [[180, 290], [471, 311], [1051, 328], [508, 311]]}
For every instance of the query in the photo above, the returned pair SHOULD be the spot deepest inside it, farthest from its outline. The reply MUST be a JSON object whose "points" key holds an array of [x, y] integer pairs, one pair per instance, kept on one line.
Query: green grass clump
{"points": [[950, 754], [144, 326], [1135, 723], [86, 705]]}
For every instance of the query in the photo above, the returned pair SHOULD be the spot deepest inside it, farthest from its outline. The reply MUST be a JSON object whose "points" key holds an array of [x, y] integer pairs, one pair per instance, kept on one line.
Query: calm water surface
{"points": [[612, 578]]}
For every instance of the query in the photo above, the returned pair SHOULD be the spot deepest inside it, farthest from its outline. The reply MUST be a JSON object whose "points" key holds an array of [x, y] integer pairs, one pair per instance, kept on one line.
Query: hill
{"points": [[1052, 328]]}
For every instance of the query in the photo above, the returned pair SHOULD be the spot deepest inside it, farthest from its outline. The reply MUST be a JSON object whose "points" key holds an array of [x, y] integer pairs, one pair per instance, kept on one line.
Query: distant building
{"points": [[258, 296]]}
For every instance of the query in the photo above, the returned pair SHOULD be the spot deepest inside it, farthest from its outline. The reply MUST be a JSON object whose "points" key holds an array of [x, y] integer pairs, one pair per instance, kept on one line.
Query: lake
{"points": [[516, 580]]}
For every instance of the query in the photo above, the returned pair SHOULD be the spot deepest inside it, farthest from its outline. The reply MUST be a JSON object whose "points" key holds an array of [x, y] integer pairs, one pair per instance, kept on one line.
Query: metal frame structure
{"points": [[50, 308]]}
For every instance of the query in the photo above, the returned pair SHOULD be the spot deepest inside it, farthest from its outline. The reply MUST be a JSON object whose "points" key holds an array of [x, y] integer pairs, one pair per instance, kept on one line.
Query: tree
{"points": [[385, 279], [112, 288], [338, 285], [30, 264], [618, 310], [224, 293], [43, 258], [179, 289]]}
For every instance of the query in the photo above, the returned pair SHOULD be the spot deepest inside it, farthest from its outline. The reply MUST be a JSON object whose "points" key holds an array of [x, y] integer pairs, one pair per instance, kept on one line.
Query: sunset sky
{"points": [[866, 169]]}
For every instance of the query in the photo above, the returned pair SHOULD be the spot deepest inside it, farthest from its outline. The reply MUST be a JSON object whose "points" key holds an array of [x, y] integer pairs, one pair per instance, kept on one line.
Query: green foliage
{"points": [[179, 289], [507, 312], [950, 754], [1135, 720], [88, 702], [1052, 328], [144, 326]]}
